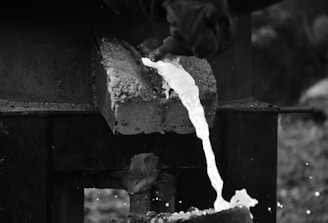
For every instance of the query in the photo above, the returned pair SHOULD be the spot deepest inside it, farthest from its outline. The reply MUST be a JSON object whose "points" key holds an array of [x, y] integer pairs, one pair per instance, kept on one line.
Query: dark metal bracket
{"points": [[293, 110]]}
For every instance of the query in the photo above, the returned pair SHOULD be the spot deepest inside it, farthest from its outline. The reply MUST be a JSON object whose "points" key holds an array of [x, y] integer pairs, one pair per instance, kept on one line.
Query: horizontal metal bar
{"points": [[48, 113], [288, 110], [40, 109]]}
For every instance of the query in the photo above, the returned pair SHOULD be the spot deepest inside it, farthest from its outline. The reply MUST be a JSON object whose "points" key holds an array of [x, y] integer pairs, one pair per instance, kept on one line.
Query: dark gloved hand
{"points": [[196, 27]]}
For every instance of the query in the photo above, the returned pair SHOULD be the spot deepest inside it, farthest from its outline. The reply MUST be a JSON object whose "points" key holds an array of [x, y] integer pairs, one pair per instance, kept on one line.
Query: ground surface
{"points": [[302, 171]]}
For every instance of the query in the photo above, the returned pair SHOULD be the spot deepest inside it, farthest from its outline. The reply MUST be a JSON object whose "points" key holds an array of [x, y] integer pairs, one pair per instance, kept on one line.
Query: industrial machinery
{"points": [[54, 141]]}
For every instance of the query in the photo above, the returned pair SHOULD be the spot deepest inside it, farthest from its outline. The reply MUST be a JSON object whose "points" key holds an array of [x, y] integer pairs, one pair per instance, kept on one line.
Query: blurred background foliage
{"points": [[289, 49], [302, 172], [290, 55]]}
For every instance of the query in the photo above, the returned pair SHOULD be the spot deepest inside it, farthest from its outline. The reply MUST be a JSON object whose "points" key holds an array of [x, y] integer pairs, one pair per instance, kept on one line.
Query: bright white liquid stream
{"points": [[184, 85]]}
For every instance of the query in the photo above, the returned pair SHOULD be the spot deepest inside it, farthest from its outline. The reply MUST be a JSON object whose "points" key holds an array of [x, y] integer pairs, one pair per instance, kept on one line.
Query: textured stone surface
{"points": [[131, 96], [233, 215]]}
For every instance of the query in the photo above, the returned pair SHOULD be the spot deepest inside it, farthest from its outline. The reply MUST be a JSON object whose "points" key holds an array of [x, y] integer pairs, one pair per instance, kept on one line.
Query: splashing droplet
{"points": [[241, 198], [279, 205]]}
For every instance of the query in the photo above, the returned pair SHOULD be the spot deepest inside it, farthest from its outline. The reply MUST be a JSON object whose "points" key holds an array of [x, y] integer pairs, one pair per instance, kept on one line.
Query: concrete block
{"points": [[131, 97]]}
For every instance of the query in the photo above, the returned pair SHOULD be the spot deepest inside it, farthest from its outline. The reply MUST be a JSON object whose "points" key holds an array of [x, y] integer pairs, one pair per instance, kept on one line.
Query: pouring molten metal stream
{"points": [[184, 85]]}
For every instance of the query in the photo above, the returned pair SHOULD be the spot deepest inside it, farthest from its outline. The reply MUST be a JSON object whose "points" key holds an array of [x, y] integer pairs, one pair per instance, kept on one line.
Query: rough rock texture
{"points": [[234, 215], [131, 96]]}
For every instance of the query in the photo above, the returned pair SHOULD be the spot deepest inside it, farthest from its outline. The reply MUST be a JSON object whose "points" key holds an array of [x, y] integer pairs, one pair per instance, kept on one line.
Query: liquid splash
{"points": [[184, 85]]}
